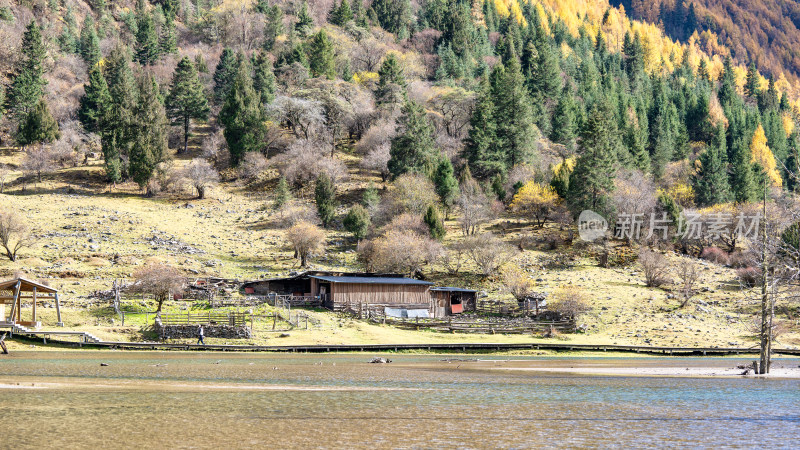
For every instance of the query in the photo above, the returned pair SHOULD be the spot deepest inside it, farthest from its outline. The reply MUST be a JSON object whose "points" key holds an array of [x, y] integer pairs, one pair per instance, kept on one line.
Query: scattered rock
{"points": [[379, 360], [103, 364]]}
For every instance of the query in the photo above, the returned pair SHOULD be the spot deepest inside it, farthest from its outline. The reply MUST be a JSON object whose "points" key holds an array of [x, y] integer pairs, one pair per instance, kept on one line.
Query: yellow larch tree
{"points": [[535, 201], [762, 155]]}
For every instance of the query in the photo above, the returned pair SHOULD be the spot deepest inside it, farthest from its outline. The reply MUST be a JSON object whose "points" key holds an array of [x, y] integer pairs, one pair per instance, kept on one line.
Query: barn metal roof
{"points": [[371, 280], [452, 289]]}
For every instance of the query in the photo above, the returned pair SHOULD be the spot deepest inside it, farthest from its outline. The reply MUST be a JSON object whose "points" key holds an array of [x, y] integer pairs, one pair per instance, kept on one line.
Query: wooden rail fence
{"points": [[209, 318]]}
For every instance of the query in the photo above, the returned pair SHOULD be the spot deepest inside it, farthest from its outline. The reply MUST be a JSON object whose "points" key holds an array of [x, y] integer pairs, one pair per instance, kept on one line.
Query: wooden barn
{"points": [[337, 289], [452, 300], [12, 292]]}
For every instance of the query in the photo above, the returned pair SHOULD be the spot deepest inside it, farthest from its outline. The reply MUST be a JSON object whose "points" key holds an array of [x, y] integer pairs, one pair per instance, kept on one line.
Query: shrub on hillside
{"points": [[569, 302], [655, 267], [715, 255], [749, 276]]}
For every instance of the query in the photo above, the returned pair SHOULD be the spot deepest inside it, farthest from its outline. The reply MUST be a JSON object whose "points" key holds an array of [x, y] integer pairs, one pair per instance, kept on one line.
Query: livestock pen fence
{"points": [[459, 325], [522, 324]]}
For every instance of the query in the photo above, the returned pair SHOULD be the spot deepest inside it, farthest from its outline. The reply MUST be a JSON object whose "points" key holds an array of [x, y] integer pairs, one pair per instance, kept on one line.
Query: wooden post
{"points": [[13, 312], [60, 323], [34, 306]]}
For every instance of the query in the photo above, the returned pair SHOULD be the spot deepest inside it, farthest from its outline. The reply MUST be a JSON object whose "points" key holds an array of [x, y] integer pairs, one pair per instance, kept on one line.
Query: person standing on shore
{"points": [[200, 335]]}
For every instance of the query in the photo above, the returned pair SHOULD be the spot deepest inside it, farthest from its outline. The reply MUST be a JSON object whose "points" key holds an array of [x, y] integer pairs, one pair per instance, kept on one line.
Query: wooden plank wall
{"points": [[381, 293]]}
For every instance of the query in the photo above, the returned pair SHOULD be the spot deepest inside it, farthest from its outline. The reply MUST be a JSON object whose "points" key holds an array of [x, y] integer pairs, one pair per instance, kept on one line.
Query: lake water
{"points": [[205, 400]]}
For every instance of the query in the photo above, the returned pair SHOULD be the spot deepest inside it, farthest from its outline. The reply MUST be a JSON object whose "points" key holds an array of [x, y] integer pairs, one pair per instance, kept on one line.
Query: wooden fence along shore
{"points": [[450, 348]]}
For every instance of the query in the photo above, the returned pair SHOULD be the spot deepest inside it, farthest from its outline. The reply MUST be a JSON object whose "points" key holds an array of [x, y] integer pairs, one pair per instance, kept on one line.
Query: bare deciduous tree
{"points": [[201, 175], [5, 171], [569, 302], [159, 280], [38, 160], [519, 284], [306, 239], [377, 159], [454, 258], [305, 160], [398, 251], [409, 193], [14, 233], [253, 165], [655, 267], [475, 210], [488, 252], [304, 117], [689, 275]]}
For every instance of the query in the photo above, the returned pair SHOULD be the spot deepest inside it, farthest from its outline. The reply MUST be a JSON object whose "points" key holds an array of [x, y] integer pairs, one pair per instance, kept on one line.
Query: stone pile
{"points": [[190, 331]]}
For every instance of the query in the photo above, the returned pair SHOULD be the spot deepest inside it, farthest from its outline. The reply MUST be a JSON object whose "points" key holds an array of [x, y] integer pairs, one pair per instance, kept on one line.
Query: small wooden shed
{"points": [[449, 300], [12, 292]]}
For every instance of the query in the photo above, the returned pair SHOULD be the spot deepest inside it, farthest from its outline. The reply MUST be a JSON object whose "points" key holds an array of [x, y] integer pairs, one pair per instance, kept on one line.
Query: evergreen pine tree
{"points": [[702, 71], [89, 43], [282, 193], [359, 15], [273, 26], [592, 181], [793, 164], [68, 40], [242, 116], [390, 79], [186, 99], [341, 14], [514, 117], [434, 223], [224, 74], [38, 127], [742, 177], [751, 84], [325, 197], [482, 150], [727, 83], [304, 22], [560, 181], [564, 129], [413, 149], [149, 145], [711, 181], [169, 37], [95, 98], [117, 119], [394, 16], [370, 199], [27, 84], [321, 56], [263, 78], [147, 47], [546, 73], [445, 182], [357, 221]]}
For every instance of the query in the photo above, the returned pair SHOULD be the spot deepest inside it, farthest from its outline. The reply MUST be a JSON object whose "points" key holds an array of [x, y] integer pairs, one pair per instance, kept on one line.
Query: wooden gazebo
{"points": [[13, 291]]}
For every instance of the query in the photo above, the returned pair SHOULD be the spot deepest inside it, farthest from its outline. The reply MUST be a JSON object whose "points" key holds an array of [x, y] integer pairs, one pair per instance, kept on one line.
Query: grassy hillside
{"points": [[500, 120], [89, 238]]}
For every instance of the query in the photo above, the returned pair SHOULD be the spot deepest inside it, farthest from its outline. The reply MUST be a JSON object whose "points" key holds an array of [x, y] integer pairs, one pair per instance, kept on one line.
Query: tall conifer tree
{"points": [[186, 99]]}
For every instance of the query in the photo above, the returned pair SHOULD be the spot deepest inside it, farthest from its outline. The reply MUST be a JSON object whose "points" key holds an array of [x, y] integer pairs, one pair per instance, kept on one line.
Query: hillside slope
{"points": [[765, 32]]}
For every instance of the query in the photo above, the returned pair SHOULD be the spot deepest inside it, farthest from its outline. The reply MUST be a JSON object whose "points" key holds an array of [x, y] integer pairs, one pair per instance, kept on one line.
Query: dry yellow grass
{"points": [[94, 235]]}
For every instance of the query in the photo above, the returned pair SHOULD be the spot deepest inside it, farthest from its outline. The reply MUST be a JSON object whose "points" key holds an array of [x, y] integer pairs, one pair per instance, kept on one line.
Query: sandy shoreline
{"points": [[181, 386], [779, 372]]}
